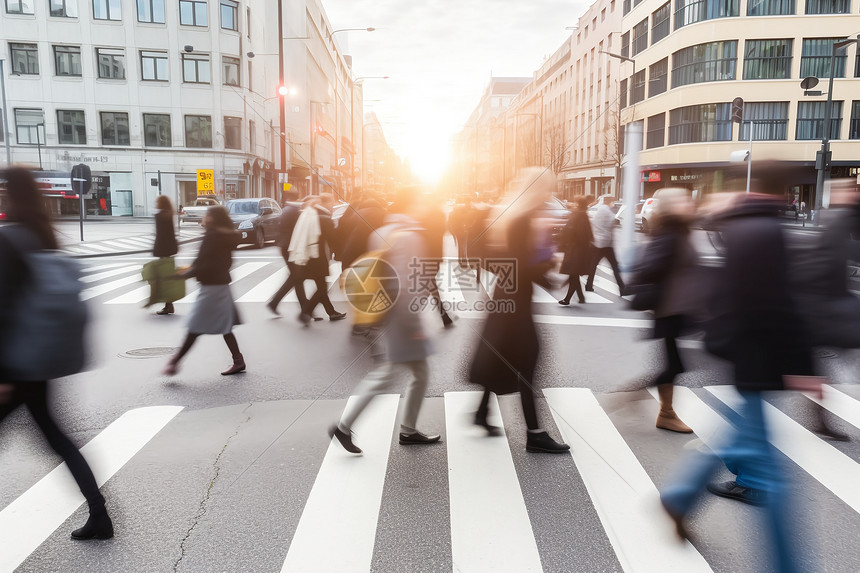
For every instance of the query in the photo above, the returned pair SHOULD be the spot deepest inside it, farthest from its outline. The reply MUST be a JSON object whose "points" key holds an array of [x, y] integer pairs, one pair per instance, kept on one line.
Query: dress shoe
{"points": [[316, 318], [541, 443], [589, 288], [564, 302], [582, 300], [273, 307], [168, 309], [345, 439], [337, 316], [732, 490], [98, 526], [238, 366], [418, 438]]}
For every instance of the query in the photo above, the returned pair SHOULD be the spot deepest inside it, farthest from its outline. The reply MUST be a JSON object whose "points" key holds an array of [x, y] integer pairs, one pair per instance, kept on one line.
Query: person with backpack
{"points": [[23, 248]]}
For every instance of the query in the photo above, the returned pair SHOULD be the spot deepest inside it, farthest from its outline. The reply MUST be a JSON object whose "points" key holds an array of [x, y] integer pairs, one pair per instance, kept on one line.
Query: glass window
{"points": [[660, 23], [637, 88], [156, 130], [233, 132], [711, 62], [198, 131], [150, 11], [810, 119], [195, 68], [700, 123], [111, 63], [71, 127], [229, 15], [815, 58], [115, 128], [640, 36], [231, 70], [248, 21], [691, 11], [19, 6], [27, 126], [769, 120], [828, 6], [767, 59], [67, 60], [659, 73], [854, 128], [107, 9], [626, 7], [25, 59], [153, 66], [625, 44], [252, 137], [623, 94], [656, 136], [770, 7], [63, 8], [193, 13]]}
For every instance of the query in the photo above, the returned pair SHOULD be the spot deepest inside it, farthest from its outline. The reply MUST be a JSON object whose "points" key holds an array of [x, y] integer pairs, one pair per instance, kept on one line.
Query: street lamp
{"points": [[351, 30], [352, 122]]}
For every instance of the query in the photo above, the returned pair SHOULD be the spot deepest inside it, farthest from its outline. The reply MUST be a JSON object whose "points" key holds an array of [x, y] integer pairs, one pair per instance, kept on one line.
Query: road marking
{"points": [[490, 526], [96, 247], [236, 275], [625, 498], [575, 320], [38, 512], [111, 273], [607, 285], [266, 289], [103, 267], [134, 243], [108, 287], [346, 497], [840, 404], [709, 426]]}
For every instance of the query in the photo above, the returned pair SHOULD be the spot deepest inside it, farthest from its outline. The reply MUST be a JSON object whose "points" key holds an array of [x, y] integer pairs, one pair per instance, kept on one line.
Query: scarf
{"points": [[304, 244]]}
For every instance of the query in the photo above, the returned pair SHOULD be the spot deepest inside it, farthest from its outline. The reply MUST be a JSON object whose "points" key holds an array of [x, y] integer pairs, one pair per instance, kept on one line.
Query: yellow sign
{"points": [[205, 181], [288, 186]]}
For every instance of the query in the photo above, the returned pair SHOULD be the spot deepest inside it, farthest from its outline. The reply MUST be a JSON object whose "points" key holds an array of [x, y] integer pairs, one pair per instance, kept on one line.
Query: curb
{"points": [[120, 253]]}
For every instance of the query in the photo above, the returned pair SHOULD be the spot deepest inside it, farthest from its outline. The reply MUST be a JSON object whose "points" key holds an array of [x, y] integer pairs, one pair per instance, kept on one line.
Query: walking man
{"points": [[602, 227], [295, 280]]}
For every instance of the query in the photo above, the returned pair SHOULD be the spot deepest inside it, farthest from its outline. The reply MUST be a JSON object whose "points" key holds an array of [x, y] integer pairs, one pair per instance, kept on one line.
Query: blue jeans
{"points": [[750, 456]]}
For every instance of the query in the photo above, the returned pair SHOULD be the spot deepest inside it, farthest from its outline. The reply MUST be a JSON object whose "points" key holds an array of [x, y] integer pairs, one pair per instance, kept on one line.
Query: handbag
{"points": [[165, 285]]}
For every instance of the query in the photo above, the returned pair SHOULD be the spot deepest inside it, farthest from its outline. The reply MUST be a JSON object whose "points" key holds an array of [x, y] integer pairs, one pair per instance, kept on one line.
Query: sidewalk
{"points": [[129, 235]]}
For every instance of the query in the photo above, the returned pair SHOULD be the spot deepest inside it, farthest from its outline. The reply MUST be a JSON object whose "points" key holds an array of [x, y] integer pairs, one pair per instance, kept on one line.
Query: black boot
{"points": [[98, 525], [540, 442]]}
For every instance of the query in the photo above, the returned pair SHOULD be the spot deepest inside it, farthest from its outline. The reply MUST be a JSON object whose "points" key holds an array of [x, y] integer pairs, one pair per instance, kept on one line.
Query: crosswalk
{"points": [[491, 521], [132, 244]]}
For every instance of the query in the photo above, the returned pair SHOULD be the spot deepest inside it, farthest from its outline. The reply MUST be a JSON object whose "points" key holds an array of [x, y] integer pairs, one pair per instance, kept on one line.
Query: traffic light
{"points": [[738, 110]]}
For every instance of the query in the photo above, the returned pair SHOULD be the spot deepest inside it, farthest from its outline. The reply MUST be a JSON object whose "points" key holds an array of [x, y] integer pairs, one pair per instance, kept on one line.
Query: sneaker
{"points": [[345, 439], [418, 438], [541, 443], [732, 490]]}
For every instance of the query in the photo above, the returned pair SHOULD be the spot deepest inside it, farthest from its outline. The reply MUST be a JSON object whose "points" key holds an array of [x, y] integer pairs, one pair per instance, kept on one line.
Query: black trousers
{"points": [[34, 395], [674, 366], [294, 281], [527, 398], [319, 297], [607, 253]]}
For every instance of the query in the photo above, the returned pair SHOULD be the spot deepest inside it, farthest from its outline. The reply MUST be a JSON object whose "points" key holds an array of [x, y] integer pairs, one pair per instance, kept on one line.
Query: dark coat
{"points": [[287, 223], [576, 239], [318, 267], [369, 218], [213, 262], [14, 275], [165, 237]]}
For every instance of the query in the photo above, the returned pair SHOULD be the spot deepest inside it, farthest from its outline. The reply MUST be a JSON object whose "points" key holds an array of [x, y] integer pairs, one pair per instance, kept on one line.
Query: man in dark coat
{"points": [[295, 280], [317, 268]]}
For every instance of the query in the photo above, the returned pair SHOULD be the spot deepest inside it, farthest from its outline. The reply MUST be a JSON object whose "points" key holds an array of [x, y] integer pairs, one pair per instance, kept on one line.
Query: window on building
{"points": [[248, 21], [19, 6], [637, 88], [198, 131], [153, 66], [828, 6], [25, 59], [625, 44], [659, 75], [770, 7], [660, 22], [71, 127], [195, 68], [67, 60], [193, 13], [700, 123], [810, 120], [230, 70], [30, 126], [156, 130], [767, 59], [711, 62], [854, 128], [233, 132], [252, 137], [769, 120], [111, 63], [691, 11], [623, 93], [250, 75], [656, 136], [229, 15], [625, 7], [150, 11], [107, 9], [63, 8], [115, 128], [640, 36], [815, 58]]}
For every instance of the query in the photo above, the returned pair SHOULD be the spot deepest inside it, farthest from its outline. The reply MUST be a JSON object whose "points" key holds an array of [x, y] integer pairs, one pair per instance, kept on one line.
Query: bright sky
{"points": [[439, 56]]}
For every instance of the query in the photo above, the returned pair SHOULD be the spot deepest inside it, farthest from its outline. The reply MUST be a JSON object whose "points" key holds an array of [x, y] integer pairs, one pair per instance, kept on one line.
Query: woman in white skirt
{"points": [[214, 311]]}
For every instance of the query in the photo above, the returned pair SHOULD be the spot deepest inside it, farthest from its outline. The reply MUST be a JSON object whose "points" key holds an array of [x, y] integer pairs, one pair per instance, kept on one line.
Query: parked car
{"points": [[556, 210], [647, 214], [194, 213], [257, 219], [637, 215]]}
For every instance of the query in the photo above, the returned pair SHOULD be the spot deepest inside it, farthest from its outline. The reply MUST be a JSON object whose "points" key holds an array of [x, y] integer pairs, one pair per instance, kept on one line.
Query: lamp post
{"points": [[39, 142], [352, 121], [5, 118]]}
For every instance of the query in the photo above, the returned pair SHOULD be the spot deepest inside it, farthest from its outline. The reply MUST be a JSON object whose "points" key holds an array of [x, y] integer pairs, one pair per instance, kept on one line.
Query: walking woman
{"points": [[214, 311], [26, 208], [165, 247], [668, 264], [508, 350], [578, 251]]}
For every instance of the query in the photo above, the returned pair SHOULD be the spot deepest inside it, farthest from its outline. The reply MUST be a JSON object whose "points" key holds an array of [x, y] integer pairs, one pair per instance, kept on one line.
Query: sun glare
{"points": [[428, 154]]}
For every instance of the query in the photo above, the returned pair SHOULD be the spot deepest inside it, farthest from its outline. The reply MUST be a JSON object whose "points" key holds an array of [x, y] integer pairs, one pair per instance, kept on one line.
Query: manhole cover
{"points": [[151, 352]]}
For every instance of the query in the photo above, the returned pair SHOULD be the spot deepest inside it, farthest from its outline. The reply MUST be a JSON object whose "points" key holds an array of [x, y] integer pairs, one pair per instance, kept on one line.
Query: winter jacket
{"points": [[165, 237]]}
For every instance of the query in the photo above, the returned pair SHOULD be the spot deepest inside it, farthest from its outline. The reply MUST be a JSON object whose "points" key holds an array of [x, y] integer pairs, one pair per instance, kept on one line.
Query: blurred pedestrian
{"points": [[576, 243], [603, 227], [317, 266], [361, 224], [164, 248], [214, 311], [435, 225], [509, 348], [407, 344], [460, 223], [32, 226], [668, 265], [295, 280]]}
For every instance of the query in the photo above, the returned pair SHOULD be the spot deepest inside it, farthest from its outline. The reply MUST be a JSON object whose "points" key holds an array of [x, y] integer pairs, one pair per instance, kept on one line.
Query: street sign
{"points": [[205, 181], [81, 179]]}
